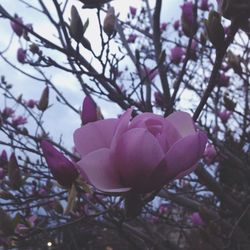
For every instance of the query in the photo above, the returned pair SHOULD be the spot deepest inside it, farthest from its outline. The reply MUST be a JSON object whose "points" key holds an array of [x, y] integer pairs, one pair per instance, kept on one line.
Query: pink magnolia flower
{"points": [[142, 154], [188, 13], [21, 55], [196, 219], [63, 170], [151, 74], [204, 5], [7, 112], [16, 27], [164, 26], [132, 11], [176, 25], [20, 120], [224, 115], [89, 111], [209, 154], [131, 38], [176, 54], [30, 103]]}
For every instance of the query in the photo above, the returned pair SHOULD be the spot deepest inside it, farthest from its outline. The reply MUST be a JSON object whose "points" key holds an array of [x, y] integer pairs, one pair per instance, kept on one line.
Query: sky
{"points": [[57, 121]]}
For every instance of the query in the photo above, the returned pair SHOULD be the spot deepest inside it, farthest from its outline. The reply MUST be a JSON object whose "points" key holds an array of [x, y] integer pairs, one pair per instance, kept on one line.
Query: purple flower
{"points": [[164, 26], [16, 27], [30, 103], [196, 219], [63, 170], [224, 115], [132, 11], [7, 112], [131, 38], [188, 13], [209, 154], [176, 54], [89, 111], [140, 154], [204, 5], [20, 120], [176, 25], [21, 55]]}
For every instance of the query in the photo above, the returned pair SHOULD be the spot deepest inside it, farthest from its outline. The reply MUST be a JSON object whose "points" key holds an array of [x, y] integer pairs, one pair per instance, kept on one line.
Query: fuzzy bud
{"points": [[109, 24], [14, 173], [76, 26], [44, 100]]}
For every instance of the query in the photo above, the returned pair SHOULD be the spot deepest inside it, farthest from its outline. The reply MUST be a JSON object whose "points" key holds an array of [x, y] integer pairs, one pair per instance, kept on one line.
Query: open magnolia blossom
{"points": [[140, 154]]}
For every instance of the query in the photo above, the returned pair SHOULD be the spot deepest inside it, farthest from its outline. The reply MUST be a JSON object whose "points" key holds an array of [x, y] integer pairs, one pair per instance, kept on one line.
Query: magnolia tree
{"points": [[170, 170]]}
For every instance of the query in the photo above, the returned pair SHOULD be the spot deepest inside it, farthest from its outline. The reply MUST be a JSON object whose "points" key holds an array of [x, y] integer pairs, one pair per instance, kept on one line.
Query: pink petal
{"points": [[94, 136], [123, 125], [99, 169], [182, 122], [184, 154], [137, 154]]}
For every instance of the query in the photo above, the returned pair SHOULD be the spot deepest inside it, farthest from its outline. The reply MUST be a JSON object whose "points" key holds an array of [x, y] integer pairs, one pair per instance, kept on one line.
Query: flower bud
{"points": [[89, 111], [20, 120], [21, 55], [215, 30], [209, 154], [109, 24], [188, 22], [16, 27], [14, 173], [234, 62], [224, 115], [196, 219], [6, 223], [133, 11], [176, 55], [131, 38], [44, 100], [76, 26], [63, 170]]}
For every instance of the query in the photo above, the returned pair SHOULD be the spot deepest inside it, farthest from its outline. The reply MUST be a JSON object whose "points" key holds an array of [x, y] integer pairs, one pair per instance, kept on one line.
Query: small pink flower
{"points": [[209, 154], [89, 111], [20, 120], [63, 170], [21, 55], [131, 38], [151, 74], [30, 103], [16, 27], [196, 219], [7, 112], [176, 54], [224, 115], [163, 26], [133, 11], [140, 154], [176, 25]]}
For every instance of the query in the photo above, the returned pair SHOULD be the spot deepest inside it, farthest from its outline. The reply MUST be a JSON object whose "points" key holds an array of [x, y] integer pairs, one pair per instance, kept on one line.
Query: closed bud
{"points": [[93, 3], [229, 104], [34, 48], [63, 170], [234, 62], [44, 100], [21, 55], [14, 174], [16, 27], [89, 111], [6, 223], [215, 30], [76, 26], [109, 24]]}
